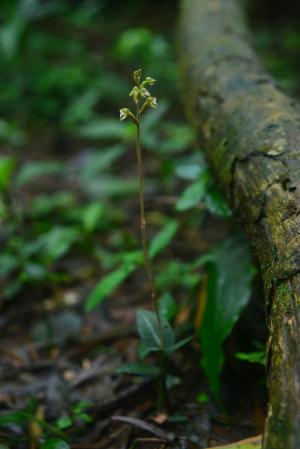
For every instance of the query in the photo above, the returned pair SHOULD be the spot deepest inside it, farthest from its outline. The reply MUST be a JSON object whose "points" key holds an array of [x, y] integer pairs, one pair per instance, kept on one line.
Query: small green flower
{"points": [[152, 102], [144, 92], [135, 94], [149, 81], [124, 114]]}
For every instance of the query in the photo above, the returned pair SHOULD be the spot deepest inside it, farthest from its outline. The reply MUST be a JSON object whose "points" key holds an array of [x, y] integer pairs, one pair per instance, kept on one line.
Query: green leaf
{"points": [[102, 129], [179, 137], [19, 418], [91, 216], [167, 306], [7, 167], [180, 344], [216, 204], [108, 284], [142, 351], [139, 369], [151, 333], [228, 292], [191, 167], [8, 263], [97, 162], [33, 170], [58, 241], [163, 238], [42, 205], [194, 193], [55, 443], [64, 422], [106, 186], [252, 357]]}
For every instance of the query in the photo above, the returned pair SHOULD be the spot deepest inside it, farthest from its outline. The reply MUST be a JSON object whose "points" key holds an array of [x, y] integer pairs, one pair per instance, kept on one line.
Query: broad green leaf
{"points": [[228, 292], [151, 334], [163, 238], [108, 284], [139, 369], [33, 170], [55, 443], [7, 167], [194, 193], [167, 306]]}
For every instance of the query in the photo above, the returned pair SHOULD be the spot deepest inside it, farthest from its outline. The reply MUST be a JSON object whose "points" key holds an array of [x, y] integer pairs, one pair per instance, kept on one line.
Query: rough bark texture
{"points": [[250, 131]]}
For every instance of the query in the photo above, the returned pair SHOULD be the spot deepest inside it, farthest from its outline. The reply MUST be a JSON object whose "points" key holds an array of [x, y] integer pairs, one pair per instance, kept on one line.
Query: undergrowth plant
{"points": [[156, 333]]}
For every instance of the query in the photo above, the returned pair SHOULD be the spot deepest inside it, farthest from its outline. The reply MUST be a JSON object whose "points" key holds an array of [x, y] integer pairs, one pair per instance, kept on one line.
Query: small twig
{"points": [[151, 428]]}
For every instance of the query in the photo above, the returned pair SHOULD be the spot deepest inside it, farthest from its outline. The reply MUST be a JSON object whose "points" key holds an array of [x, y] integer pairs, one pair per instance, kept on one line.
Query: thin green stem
{"points": [[148, 264], [147, 261]]}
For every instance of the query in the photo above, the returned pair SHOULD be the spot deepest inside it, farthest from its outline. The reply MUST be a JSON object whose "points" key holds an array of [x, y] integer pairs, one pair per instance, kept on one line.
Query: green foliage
{"points": [[32, 171], [193, 194], [201, 191], [7, 166], [163, 238], [55, 443], [139, 369], [229, 287], [167, 307], [258, 357], [108, 284]]}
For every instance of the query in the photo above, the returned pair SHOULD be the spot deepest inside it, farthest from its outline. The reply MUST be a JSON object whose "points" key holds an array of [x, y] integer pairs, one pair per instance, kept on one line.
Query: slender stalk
{"points": [[147, 261], [139, 92]]}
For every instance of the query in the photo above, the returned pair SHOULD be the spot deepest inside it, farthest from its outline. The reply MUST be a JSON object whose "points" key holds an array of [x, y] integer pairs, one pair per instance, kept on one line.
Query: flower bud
{"points": [[137, 76]]}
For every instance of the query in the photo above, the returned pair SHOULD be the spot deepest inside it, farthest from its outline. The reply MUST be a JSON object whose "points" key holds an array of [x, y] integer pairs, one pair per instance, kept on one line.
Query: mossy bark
{"points": [[250, 131]]}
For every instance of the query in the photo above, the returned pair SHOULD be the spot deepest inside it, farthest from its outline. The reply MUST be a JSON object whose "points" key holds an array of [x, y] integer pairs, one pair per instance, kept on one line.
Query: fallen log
{"points": [[249, 130]]}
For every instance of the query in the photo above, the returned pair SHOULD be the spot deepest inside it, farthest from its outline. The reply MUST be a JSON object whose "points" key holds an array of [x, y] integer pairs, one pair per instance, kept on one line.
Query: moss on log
{"points": [[250, 132]]}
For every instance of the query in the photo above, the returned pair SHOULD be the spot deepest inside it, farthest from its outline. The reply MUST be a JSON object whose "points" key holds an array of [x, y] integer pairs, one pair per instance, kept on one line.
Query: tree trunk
{"points": [[249, 130]]}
